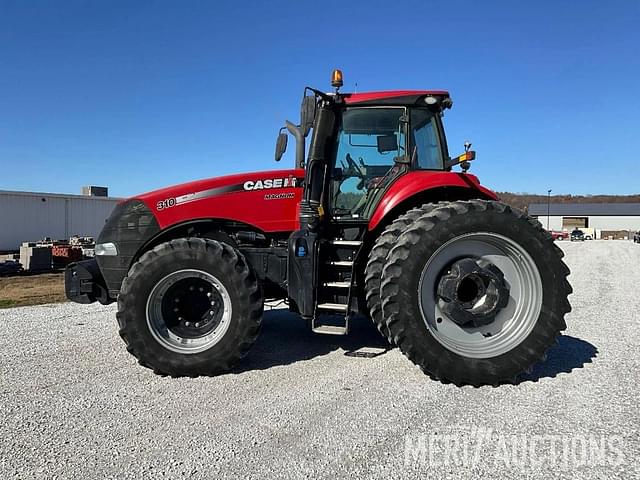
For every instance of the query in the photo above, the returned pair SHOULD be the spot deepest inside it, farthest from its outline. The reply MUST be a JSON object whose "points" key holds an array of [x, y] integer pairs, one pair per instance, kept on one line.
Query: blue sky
{"points": [[140, 95]]}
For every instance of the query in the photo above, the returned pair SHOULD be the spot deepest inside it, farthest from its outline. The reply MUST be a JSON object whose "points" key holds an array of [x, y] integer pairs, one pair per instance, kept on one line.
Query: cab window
{"points": [[426, 148]]}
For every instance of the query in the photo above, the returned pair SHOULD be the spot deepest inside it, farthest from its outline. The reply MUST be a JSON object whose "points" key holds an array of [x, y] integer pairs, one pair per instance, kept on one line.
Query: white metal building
{"points": [[31, 216], [596, 216]]}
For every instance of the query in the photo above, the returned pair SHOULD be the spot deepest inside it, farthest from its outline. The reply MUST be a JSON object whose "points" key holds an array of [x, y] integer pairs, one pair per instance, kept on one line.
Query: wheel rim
{"points": [[515, 318], [188, 311]]}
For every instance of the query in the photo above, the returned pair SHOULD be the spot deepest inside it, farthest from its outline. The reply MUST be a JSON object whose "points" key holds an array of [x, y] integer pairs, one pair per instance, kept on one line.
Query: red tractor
{"points": [[373, 221]]}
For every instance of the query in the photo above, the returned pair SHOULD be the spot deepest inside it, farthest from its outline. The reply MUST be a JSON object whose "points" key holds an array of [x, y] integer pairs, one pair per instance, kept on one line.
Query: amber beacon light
{"points": [[336, 78]]}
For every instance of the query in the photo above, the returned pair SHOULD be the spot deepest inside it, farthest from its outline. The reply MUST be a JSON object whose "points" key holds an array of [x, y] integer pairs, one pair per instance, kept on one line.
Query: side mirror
{"points": [[307, 113], [281, 145]]}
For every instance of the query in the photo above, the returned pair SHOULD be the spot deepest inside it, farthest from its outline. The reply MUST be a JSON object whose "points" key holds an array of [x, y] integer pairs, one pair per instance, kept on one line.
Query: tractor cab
{"points": [[361, 144], [374, 146]]}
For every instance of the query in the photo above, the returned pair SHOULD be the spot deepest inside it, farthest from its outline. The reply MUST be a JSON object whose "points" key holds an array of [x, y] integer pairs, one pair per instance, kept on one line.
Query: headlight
{"points": [[107, 249]]}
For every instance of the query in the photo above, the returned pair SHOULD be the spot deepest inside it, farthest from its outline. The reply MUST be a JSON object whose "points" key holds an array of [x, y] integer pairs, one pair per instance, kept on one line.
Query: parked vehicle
{"points": [[577, 235], [374, 221], [559, 235], [636, 237], [10, 267]]}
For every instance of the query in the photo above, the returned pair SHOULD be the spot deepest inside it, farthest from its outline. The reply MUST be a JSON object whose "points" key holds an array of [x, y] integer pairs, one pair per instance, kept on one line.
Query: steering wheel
{"points": [[355, 167]]}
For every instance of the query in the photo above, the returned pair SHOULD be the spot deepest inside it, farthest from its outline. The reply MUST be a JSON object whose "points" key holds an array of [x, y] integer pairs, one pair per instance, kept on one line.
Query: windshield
{"points": [[371, 134], [369, 140]]}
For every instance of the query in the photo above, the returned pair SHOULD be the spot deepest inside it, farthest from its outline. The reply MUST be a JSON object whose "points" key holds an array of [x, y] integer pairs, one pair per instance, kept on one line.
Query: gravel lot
{"points": [[74, 404]]}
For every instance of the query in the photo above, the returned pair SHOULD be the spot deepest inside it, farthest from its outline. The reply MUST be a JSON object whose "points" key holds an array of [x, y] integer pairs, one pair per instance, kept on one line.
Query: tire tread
{"points": [[444, 365]]}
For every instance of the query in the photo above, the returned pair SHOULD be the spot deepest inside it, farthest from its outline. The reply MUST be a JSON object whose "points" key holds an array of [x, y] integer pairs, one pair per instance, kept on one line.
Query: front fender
{"points": [[420, 183]]}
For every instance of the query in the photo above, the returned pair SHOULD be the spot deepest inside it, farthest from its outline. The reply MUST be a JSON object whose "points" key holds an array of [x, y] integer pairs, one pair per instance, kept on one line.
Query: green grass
{"points": [[6, 303]]}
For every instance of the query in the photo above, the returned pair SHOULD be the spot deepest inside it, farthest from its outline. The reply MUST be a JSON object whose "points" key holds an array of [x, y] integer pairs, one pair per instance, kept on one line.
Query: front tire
{"points": [[475, 292], [190, 307]]}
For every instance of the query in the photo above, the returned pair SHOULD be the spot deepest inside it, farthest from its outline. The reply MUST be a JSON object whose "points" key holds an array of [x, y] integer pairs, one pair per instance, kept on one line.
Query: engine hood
{"points": [[265, 200]]}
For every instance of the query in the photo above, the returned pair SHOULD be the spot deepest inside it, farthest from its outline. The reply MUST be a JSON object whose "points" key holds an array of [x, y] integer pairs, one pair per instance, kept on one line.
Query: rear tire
{"points": [[377, 259], [521, 331], [214, 325]]}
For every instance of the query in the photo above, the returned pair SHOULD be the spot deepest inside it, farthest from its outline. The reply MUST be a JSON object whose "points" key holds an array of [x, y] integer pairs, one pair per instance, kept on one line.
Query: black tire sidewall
{"points": [[207, 256], [431, 232]]}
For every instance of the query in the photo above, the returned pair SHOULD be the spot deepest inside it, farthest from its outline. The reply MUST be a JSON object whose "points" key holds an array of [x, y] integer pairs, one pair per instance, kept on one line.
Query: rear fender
{"points": [[416, 188]]}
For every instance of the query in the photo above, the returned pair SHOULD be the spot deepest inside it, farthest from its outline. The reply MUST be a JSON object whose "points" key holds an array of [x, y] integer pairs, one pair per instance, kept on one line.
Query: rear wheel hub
{"points": [[480, 294], [473, 292]]}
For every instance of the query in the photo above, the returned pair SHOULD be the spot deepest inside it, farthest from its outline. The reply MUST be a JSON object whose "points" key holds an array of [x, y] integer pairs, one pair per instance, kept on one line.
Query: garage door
{"points": [[570, 223]]}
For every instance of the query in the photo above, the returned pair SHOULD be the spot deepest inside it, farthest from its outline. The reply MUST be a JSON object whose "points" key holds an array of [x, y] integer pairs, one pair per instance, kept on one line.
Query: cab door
{"points": [[370, 141]]}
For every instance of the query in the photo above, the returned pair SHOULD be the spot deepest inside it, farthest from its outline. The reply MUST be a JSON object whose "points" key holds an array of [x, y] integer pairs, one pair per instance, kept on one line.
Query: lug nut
{"points": [[192, 288], [187, 324], [175, 309], [212, 302], [197, 324], [211, 313], [209, 294], [177, 300]]}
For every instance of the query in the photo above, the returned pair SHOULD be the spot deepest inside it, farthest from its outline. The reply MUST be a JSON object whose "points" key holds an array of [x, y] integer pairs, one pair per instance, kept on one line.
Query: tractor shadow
{"points": [[286, 338], [568, 354]]}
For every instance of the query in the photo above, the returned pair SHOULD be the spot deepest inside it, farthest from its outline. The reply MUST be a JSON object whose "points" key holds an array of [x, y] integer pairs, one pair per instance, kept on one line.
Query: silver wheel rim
{"points": [[175, 338], [512, 324]]}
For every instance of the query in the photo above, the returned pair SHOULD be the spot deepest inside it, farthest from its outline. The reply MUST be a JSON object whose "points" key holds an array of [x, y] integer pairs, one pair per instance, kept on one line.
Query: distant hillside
{"points": [[522, 200]]}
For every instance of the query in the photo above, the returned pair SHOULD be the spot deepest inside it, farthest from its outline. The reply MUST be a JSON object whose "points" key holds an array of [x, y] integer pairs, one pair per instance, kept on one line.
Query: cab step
{"points": [[330, 309], [334, 307], [346, 243], [341, 263], [330, 329], [337, 284]]}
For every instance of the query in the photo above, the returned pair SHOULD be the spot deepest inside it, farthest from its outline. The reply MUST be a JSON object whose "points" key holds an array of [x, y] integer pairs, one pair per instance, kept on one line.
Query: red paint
{"points": [[246, 206], [418, 181], [350, 98], [558, 235], [281, 215]]}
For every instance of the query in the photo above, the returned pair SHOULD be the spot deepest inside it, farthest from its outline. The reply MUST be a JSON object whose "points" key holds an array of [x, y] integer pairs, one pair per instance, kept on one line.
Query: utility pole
{"points": [[548, 207]]}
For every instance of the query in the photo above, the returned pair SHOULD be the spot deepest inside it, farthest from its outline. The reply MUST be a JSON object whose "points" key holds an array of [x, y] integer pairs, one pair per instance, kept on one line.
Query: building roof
{"points": [[585, 209], [58, 195]]}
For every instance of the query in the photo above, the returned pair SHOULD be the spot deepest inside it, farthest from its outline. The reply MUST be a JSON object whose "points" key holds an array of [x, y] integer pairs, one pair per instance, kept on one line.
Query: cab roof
{"points": [[393, 97]]}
